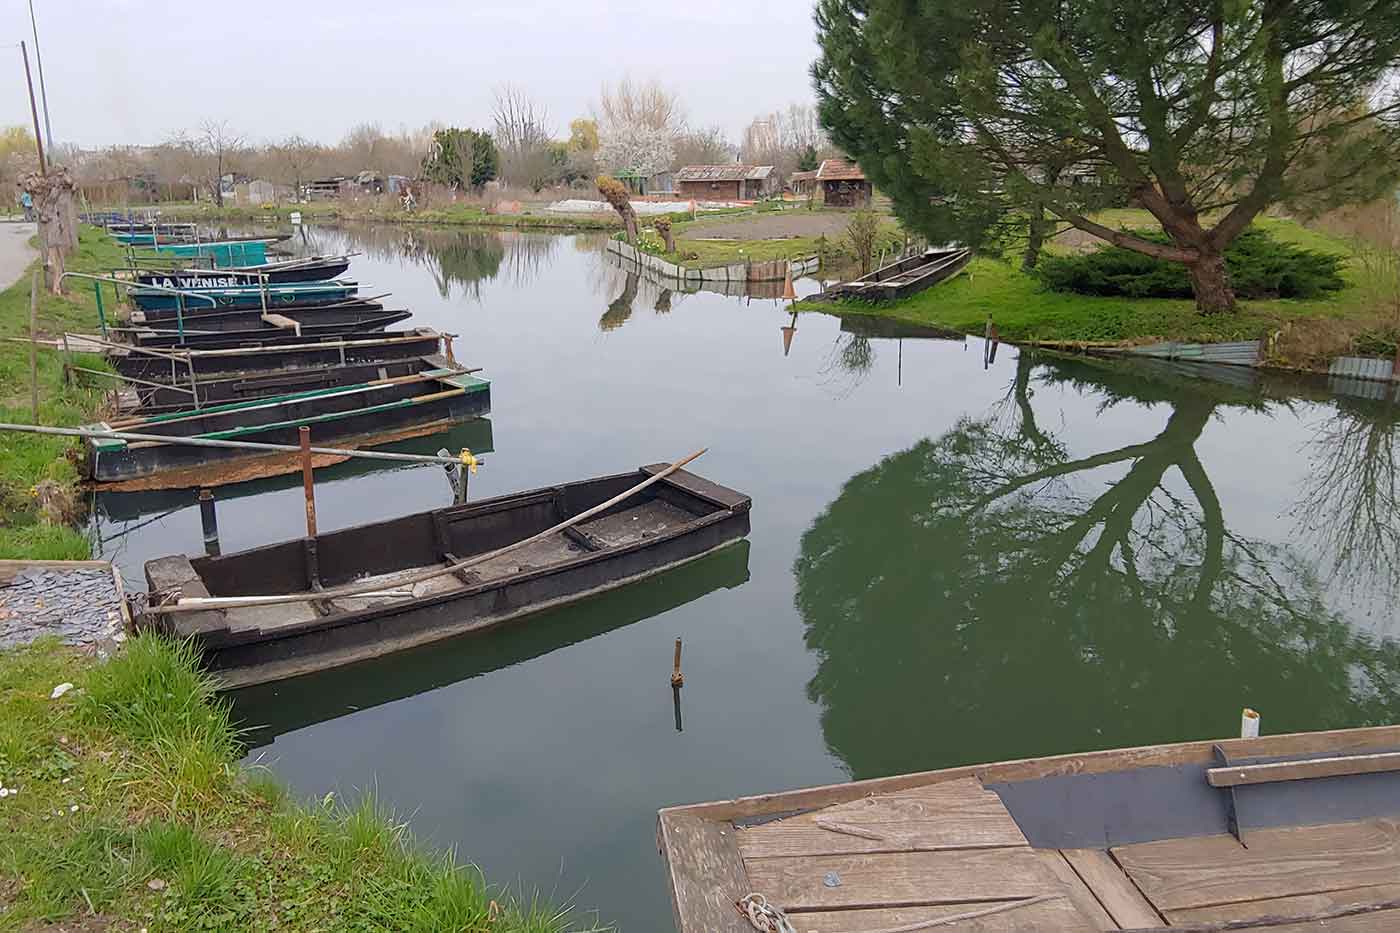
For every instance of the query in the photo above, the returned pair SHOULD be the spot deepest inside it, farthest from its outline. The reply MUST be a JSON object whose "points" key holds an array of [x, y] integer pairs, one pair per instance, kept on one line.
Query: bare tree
{"points": [[708, 146], [208, 155], [297, 157], [647, 103], [524, 139], [780, 138]]}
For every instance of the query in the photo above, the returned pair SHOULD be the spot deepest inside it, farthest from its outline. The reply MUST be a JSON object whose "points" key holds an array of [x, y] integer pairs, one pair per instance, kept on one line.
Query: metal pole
{"points": [[101, 316], [39, 60], [308, 480], [210, 522], [34, 110], [33, 346]]}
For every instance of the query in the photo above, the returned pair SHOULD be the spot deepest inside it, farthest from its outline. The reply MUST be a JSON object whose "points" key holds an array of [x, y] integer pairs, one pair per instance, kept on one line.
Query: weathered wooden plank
{"points": [[1180, 873], [1298, 906], [1054, 915], [892, 879], [1085, 904], [707, 875], [1355, 741], [1113, 889], [955, 815], [1241, 775]]}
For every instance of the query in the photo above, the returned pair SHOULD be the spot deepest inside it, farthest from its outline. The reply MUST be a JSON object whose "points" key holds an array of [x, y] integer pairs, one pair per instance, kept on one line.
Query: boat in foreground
{"points": [[677, 519], [1280, 833], [307, 269], [241, 294]]}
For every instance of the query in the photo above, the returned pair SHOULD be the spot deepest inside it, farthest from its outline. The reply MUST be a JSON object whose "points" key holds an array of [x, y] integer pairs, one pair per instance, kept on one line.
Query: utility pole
{"points": [[33, 109], [39, 60]]}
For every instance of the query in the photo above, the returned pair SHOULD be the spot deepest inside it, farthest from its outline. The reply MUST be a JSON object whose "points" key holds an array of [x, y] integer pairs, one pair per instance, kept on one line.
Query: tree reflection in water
{"points": [[986, 595]]}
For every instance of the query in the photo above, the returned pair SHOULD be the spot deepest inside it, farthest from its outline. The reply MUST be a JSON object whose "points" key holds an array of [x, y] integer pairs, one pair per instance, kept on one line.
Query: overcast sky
{"points": [[136, 71]]}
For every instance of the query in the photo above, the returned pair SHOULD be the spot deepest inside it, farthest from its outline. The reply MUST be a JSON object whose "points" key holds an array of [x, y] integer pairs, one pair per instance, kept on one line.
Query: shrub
{"points": [[1260, 267]]}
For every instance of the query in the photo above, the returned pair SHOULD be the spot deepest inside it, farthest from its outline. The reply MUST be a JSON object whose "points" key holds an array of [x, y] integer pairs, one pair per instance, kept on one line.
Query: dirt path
{"points": [[15, 251], [771, 225]]}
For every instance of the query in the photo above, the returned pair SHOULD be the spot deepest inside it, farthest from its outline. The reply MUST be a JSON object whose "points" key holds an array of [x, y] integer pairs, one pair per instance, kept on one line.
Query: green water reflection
{"points": [[985, 594]]}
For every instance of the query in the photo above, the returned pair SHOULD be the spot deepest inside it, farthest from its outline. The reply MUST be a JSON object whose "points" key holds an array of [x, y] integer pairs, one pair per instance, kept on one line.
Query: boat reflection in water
{"points": [[270, 710]]}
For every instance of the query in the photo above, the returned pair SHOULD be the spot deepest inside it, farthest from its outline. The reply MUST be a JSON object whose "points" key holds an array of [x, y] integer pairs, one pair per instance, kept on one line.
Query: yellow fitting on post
{"points": [[469, 459]]}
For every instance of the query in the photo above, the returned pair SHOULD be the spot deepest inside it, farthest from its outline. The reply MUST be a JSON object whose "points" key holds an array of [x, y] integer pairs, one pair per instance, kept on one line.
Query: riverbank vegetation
{"points": [[124, 805], [1304, 332], [38, 494]]}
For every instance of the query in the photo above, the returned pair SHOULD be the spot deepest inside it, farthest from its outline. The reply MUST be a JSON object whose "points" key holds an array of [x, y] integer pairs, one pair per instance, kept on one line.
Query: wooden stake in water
{"points": [[33, 345], [677, 679], [308, 482], [1249, 724]]}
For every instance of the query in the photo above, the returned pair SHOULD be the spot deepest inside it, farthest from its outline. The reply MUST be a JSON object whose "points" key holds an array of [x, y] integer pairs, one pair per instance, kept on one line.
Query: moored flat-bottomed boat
{"points": [[904, 277], [309, 269], [352, 416], [242, 295], [675, 520], [272, 351], [1279, 833], [166, 334]]}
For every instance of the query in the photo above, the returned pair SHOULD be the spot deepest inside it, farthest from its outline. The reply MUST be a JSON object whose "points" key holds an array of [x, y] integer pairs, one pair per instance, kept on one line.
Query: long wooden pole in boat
{"points": [[202, 603], [232, 445]]}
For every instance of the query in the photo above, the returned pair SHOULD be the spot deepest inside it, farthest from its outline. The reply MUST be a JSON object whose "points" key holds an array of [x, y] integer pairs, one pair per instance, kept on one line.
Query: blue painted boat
{"points": [[246, 296]]}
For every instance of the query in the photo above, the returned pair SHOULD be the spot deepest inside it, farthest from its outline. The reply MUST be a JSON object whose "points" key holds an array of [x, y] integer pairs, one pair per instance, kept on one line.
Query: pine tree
{"points": [[1203, 112]]}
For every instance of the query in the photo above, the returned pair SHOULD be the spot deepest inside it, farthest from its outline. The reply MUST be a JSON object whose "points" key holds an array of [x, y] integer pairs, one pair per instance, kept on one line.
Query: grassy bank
{"points": [[694, 250], [1306, 332], [374, 211], [131, 810], [35, 476]]}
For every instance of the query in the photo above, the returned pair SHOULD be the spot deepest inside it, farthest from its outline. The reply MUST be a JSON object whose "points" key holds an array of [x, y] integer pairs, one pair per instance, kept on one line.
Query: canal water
{"points": [[956, 557]]}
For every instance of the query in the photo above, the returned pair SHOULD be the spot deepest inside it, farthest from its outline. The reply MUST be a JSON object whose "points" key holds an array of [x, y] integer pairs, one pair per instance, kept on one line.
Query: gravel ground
{"points": [[15, 252], [771, 225], [79, 605]]}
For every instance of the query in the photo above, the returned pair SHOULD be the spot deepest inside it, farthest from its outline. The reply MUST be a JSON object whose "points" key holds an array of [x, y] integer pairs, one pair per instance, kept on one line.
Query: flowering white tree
{"points": [[637, 148]]}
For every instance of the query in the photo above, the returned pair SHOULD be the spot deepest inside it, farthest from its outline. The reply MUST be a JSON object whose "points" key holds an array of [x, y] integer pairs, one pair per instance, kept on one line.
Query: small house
{"points": [[843, 184], [641, 183], [732, 182], [325, 189], [803, 183]]}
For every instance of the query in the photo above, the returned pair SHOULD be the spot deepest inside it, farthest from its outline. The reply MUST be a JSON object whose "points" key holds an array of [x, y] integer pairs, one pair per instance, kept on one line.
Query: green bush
{"points": [[1260, 267]]}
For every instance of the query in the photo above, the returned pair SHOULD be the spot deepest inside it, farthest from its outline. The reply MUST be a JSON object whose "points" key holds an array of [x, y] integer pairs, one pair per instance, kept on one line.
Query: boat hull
{"points": [[246, 387], [279, 352], [241, 655], [167, 336], [205, 278], [334, 418], [245, 296]]}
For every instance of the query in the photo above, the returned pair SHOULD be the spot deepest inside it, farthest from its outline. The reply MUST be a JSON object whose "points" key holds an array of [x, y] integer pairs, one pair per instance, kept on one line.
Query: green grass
{"points": [[1024, 310], [27, 460], [374, 211], [697, 253], [131, 806]]}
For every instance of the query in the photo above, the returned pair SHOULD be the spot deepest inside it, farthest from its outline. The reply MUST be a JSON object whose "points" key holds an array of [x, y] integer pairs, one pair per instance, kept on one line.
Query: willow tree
{"points": [[964, 109]]}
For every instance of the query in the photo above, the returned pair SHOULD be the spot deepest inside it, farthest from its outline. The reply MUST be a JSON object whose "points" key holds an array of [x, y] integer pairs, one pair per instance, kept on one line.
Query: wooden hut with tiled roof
{"points": [[843, 184]]}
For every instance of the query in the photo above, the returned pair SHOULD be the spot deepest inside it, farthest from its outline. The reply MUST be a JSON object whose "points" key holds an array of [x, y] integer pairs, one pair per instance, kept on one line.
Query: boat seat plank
{"points": [[707, 874], [956, 815], [1114, 889], [893, 879], [1181, 873], [551, 550], [1093, 915], [1302, 907], [644, 520], [1055, 915], [258, 618]]}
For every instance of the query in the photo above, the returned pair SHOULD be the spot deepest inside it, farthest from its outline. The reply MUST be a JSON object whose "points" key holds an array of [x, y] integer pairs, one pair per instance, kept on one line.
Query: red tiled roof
{"points": [[839, 170]]}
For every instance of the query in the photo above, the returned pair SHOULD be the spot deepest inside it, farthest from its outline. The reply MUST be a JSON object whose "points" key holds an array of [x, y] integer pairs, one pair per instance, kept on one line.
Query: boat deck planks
{"points": [[1210, 870], [909, 849]]}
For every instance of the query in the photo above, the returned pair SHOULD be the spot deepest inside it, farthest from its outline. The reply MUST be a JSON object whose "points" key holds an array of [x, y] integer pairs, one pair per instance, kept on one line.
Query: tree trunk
{"points": [[1210, 282], [1035, 239]]}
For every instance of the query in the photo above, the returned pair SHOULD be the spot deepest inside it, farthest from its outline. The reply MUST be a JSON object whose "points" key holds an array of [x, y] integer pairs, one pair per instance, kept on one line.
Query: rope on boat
{"points": [[204, 603], [769, 918]]}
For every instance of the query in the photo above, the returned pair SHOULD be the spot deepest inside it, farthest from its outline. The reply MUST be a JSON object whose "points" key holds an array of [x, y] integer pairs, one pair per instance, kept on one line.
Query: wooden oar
{"points": [[203, 603]]}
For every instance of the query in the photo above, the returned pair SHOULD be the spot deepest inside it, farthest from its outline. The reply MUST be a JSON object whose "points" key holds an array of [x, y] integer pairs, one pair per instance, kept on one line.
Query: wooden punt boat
{"points": [[196, 311], [168, 336], [347, 416], [273, 351], [186, 238], [244, 387], [1279, 833], [676, 520], [222, 319], [905, 277], [243, 295], [309, 269], [268, 711]]}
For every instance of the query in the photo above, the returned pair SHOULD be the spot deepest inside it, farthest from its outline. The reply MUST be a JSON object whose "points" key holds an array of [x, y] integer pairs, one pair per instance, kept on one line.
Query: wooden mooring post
{"points": [[209, 520], [308, 481]]}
